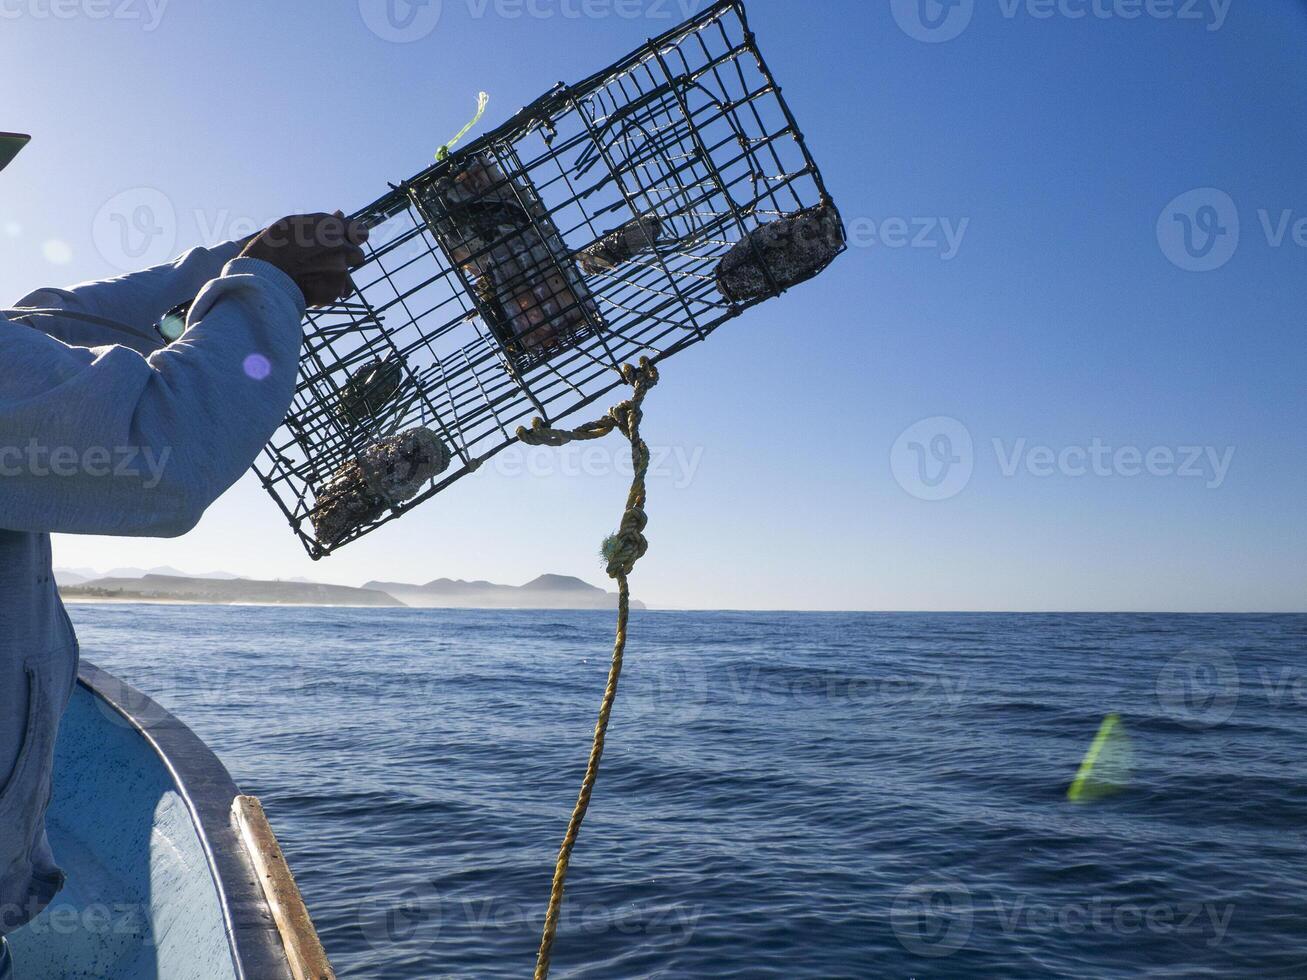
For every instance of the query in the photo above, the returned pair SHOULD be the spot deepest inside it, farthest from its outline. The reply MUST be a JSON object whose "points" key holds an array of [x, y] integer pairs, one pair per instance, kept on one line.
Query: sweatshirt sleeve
{"points": [[137, 301], [106, 441]]}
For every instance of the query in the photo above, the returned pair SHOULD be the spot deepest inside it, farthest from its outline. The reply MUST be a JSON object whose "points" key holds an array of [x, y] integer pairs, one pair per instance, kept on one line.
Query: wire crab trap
{"points": [[626, 216]]}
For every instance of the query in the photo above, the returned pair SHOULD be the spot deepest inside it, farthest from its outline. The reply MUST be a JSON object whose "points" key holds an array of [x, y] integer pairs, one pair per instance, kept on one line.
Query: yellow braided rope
{"points": [[622, 551]]}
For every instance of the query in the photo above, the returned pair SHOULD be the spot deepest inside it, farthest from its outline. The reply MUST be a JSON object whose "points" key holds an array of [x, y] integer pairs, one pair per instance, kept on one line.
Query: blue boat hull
{"points": [[160, 883]]}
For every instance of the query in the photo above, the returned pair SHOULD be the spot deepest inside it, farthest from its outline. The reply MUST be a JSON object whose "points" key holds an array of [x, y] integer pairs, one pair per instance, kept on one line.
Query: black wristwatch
{"points": [[173, 324]]}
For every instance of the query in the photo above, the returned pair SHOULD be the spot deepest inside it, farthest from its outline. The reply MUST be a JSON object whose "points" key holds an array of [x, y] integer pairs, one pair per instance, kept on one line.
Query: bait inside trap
{"points": [[626, 216]]}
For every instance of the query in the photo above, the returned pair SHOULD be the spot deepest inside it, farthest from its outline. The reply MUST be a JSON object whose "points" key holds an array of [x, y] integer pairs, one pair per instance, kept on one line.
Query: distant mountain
{"points": [[142, 572], [84, 572], [560, 583], [545, 592], [167, 584], [173, 588], [75, 576]]}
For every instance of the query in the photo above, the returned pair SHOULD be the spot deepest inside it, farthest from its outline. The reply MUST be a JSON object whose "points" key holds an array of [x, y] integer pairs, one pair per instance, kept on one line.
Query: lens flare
{"points": [[1106, 768], [257, 367]]}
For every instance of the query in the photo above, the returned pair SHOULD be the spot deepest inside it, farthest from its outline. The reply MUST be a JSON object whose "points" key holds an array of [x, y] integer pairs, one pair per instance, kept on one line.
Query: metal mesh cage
{"points": [[514, 278]]}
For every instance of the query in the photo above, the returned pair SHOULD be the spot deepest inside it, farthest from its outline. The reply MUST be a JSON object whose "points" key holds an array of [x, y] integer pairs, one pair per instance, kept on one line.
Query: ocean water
{"points": [[783, 795]]}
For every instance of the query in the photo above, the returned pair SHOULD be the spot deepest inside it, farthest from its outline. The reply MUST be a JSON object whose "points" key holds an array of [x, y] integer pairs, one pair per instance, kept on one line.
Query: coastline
{"points": [[140, 601], [144, 601]]}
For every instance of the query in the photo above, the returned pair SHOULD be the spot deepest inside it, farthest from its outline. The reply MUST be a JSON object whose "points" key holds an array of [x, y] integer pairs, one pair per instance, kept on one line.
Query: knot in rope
{"points": [[623, 549]]}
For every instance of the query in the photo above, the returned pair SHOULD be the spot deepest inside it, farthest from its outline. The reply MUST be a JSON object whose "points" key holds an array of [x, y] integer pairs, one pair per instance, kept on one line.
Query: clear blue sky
{"points": [[1051, 147]]}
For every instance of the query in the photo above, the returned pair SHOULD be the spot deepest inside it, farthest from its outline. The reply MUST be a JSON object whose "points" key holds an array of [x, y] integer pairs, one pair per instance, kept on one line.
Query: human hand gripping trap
{"points": [[605, 227]]}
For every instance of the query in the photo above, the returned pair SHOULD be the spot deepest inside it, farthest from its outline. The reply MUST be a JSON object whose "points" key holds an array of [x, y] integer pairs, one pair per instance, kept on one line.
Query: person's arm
{"points": [[105, 441], [136, 301]]}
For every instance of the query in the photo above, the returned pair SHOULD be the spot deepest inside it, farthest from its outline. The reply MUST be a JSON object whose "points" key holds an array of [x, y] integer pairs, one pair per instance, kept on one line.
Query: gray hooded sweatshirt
{"points": [[104, 431]]}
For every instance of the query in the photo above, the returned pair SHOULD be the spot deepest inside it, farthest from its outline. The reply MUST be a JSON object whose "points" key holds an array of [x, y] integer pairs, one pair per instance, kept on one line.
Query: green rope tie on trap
{"points": [[621, 551], [483, 100]]}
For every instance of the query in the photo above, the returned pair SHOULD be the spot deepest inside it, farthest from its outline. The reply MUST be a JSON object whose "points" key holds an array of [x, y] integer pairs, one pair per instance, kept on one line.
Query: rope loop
{"points": [[625, 417]]}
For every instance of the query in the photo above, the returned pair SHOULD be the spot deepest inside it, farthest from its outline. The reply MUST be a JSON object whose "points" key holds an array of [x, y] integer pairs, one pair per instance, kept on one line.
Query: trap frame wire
{"points": [[611, 202]]}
